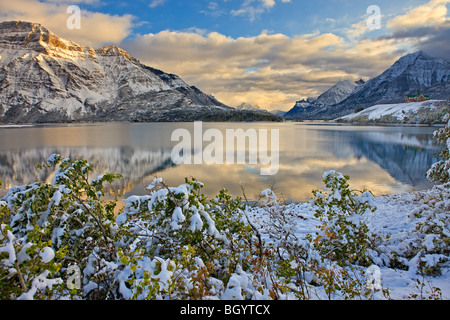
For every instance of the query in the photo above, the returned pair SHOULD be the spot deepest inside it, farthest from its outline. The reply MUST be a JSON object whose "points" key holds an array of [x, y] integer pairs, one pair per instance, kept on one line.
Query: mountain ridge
{"points": [[411, 73], [48, 79], [335, 94]]}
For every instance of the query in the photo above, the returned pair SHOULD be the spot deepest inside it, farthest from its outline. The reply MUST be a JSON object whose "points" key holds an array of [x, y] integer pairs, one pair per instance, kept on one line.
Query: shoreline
{"points": [[305, 122]]}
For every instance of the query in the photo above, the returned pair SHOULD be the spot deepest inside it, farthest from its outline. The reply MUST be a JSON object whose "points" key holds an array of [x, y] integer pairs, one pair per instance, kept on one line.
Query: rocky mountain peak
{"points": [[45, 78], [413, 72], [336, 93], [247, 106], [414, 63], [33, 36], [114, 51]]}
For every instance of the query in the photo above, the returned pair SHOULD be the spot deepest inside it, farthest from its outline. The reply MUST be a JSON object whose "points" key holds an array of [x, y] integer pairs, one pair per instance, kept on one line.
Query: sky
{"points": [[269, 53]]}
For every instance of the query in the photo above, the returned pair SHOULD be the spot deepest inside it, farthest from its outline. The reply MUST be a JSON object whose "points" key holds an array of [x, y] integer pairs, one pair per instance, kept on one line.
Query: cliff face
{"points": [[44, 78]]}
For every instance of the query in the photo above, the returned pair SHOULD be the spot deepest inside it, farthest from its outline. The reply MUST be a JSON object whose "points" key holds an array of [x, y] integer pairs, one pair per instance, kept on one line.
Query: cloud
{"points": [[214, 9], [432, 13], [156, 3], [253, 9], [357, 29], [437, 44], [426, 28], [96, 29], [270, 70]]}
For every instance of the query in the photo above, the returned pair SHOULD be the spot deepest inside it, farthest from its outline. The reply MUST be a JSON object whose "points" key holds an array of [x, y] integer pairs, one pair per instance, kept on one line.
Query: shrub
{"points": [[343, 235], [426, 249], [440, 171], [171, 218], [174, 243], [50, 226]]}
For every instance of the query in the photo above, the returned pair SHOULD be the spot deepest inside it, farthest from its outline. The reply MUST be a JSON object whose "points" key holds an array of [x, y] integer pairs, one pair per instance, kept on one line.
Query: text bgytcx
{"points": [[237, 309]]}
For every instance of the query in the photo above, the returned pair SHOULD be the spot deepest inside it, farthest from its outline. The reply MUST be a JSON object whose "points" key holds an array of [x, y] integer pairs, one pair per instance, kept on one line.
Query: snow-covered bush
{"points": [[440, 171], [28, 266], [174, 243], [143, 277], [286, 253], [68, 217], [172, 221], [431, 246], [343, 236], [303, 265], [427, 249]]}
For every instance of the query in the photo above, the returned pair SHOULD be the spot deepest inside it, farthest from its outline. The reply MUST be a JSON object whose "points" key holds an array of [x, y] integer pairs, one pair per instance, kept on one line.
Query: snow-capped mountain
{"points": [[336, 94], [248, 106], [411, 73], [305, 108], [44, 78]]}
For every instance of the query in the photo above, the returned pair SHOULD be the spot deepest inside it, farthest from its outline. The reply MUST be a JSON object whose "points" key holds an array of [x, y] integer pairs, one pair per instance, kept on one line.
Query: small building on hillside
{"points": [[419, 97]]}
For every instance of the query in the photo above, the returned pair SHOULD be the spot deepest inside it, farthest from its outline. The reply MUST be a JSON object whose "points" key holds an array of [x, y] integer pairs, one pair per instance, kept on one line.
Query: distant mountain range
{"points": [[47, 79], [411, 73], [304, 109]]}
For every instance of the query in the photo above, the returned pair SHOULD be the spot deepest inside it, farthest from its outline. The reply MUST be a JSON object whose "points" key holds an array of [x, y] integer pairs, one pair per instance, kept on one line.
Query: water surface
{"points": [[384, 160]]}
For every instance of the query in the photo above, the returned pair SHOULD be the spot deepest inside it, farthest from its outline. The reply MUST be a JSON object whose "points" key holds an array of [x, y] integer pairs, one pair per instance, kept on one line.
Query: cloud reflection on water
{"points": [[381, 159]]}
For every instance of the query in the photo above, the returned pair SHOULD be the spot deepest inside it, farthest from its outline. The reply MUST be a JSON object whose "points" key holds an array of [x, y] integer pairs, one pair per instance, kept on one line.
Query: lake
{"points": [[383, 159]]}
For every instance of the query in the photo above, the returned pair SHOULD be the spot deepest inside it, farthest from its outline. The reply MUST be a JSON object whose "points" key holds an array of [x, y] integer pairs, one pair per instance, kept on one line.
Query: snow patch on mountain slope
{"points": [[337, 93], [44, 78], [399, 111]]}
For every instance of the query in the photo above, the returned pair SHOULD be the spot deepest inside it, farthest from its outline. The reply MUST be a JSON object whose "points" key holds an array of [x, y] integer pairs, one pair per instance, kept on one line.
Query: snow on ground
{"points": [[16, 125], [398, 110], [393, 217]]}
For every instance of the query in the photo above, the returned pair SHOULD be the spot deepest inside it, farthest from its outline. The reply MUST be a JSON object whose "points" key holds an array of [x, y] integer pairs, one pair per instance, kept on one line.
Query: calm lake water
{"points": [[382, 159]]}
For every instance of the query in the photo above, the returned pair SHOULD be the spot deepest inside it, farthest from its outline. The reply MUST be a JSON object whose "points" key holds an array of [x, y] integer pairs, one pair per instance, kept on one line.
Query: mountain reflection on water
{"points": [[381, 159], [404, 155]]}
